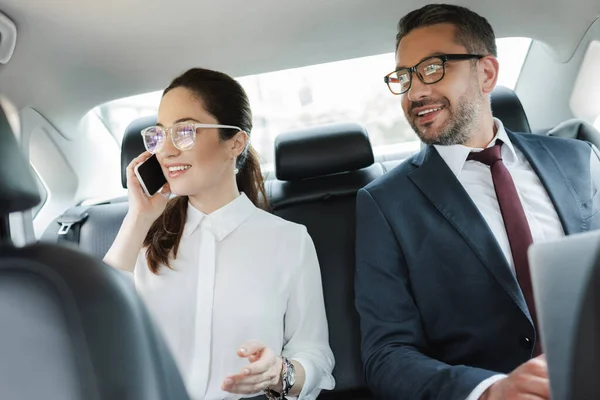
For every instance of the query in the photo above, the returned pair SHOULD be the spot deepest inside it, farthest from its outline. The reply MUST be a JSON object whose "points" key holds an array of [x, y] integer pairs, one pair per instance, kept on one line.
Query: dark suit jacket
{"points": [[440, 309]]}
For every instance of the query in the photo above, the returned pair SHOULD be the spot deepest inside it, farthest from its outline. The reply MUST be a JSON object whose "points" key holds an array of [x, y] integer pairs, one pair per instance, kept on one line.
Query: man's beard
{"points": [[459, 127]]}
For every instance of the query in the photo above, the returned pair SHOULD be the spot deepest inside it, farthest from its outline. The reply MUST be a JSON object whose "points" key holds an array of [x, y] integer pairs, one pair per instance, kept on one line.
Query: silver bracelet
{"points": [[288, 380]]}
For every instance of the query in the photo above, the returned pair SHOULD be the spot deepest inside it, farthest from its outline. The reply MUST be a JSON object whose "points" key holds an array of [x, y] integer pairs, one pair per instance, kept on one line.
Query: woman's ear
{"points": [[238, 143]]}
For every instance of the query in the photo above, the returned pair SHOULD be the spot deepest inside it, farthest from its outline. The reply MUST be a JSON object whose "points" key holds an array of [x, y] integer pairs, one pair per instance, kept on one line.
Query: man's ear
{"points": [[488, 73]]}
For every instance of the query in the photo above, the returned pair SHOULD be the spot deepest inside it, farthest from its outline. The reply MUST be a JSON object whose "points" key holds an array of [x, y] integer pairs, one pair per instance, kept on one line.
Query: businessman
{"points": [[442, 279]]}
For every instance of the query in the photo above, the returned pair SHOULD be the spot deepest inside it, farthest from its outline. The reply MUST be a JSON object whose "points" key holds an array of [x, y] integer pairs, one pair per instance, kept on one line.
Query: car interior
{"points": [[77, 73]]}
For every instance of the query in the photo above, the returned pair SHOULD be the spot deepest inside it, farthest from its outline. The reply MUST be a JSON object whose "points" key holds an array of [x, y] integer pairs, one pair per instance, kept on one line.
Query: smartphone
{"points": [[150, 175]]}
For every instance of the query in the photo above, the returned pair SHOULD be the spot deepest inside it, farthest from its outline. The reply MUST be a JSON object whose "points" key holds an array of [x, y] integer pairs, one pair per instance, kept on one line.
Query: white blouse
{"points": [[240, 274]]}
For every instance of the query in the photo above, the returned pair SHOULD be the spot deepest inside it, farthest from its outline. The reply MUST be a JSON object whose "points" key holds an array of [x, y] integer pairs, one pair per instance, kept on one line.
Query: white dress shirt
{"points": [[476, 178], [240, 274]]}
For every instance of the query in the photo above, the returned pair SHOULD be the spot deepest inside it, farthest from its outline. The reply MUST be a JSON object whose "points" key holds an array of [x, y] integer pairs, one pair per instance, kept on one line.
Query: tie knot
{"points": [[488, 156]]}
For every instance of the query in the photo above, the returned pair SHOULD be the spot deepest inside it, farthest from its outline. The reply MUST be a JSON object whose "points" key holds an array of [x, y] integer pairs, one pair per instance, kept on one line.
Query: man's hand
{"points": [[264, 371], [528, 382]]}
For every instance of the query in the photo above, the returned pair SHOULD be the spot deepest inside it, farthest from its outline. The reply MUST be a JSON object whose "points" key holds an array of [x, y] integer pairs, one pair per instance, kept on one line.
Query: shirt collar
{"points": [[221, 222], [456, 155]]}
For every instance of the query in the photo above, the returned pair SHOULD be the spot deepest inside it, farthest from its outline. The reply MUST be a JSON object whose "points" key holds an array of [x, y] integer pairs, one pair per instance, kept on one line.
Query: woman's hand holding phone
{"points": [[140, 205], [143, 211]]}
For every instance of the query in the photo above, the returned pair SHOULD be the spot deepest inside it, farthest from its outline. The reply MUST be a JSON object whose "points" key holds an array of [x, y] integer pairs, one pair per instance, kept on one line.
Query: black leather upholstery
{"points": [[132, 144], [289, 193], [326, 206], [18, 188], [507, 107], [577, 129], [72, 327], [322, 150]]}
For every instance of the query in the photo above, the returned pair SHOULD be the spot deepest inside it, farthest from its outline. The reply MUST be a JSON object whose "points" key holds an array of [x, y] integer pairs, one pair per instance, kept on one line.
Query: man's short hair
{"points": [[472, 30]]}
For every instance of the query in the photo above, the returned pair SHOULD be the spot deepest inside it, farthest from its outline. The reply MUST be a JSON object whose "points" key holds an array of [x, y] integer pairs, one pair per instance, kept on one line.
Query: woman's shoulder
{"points": [[264, 219]]}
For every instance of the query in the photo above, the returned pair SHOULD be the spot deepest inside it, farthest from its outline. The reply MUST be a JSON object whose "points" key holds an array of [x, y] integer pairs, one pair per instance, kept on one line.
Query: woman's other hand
{"points": [[263, 372]]}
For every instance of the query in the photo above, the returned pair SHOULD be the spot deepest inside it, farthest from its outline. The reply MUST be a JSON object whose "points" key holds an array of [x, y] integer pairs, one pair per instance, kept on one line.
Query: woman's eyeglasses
{"points": [[183, 135]]}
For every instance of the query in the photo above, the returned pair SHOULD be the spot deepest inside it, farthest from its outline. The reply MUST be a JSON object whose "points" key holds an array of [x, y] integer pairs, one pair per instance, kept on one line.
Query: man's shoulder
{"points": [[551, 141], [572, 156], [394, 179]]}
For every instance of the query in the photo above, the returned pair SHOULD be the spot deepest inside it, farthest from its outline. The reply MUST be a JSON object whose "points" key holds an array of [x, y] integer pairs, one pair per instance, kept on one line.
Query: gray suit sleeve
{"points": [[394, 345]]}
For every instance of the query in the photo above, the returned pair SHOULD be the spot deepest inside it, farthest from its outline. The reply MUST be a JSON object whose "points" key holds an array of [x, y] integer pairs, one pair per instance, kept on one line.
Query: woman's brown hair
{"points": [[224, 98]]}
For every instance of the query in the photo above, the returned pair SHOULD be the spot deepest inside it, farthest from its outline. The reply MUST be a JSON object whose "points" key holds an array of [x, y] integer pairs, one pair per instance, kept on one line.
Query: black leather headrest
{"points": [[133, 145], [577, 129], [507, 107], [322, 150], [18, 187]]}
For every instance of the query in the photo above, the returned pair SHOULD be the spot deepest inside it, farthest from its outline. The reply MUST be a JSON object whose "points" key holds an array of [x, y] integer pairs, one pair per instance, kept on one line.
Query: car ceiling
{"points": [[72, 55]]}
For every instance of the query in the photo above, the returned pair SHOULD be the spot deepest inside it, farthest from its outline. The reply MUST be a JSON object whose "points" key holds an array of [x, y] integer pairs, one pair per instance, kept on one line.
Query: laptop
{"points": [[560, 273]]}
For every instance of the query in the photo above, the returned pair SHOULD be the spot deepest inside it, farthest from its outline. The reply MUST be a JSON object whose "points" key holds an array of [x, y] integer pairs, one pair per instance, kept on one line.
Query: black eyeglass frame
{"points": [[443, 57]]}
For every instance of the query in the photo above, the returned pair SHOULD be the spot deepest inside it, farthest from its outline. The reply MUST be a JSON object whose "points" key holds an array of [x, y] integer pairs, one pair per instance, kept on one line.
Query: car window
{"points": [[43, 190], [585, 97], [348, 90]]}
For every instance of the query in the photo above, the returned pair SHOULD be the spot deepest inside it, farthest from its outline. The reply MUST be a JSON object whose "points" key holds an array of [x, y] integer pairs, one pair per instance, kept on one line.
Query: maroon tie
{"points": [[515, 221]]}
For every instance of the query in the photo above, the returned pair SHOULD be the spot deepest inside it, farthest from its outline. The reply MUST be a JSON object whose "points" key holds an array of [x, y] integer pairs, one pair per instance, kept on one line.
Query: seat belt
{"points": [[70, 225]]}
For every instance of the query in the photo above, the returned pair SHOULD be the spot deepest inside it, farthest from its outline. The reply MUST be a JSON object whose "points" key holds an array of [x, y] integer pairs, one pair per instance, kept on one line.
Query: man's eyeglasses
{"points": [[430, 70], [183, 135]]}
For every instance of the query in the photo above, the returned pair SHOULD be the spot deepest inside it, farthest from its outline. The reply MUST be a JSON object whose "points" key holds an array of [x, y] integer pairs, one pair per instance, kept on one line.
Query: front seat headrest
{"points": [[323, 150], [507, 107], [577, 129], [133, 144], [18, 187]]}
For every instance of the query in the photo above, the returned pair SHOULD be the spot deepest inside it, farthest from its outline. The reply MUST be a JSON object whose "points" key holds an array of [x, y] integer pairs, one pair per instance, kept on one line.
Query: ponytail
{"points": [[250, 180]]}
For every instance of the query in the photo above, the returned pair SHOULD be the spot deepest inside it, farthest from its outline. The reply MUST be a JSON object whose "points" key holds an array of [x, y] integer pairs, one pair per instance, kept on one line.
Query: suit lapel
{"points": [[437, 182], [554, 180]]}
